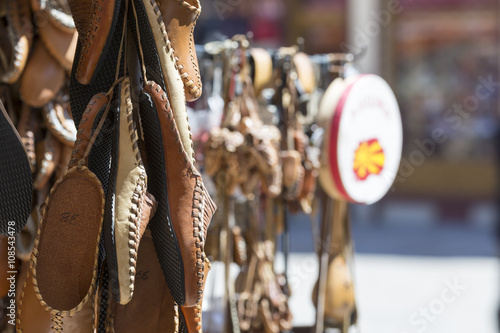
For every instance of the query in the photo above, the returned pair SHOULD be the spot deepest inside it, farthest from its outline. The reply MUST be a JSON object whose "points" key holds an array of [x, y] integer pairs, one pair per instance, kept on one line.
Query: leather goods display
{"points": [[184, 206], [339, 303], [133, 205], [111, 212], [100, 29], [94, 22], [151, 29]]}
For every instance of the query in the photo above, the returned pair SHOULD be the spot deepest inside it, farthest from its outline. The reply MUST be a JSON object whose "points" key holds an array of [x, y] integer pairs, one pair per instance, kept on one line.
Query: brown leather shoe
{"points": [[42, 78], [190, 205], [162, 68], [93, 20], [31, 317], [60, 44], [58, 119], [180, 19], [152, 309]]}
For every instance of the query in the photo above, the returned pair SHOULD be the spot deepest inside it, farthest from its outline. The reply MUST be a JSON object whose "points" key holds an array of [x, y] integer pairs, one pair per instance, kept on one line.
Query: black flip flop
{"points": [[16, 190]]}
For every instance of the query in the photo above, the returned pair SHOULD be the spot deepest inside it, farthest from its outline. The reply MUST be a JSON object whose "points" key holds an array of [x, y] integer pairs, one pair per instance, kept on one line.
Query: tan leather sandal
{"points": [[93, 21], [133, 205], [64, 272], [32, 317], [180, 223], [162, 68], [179, 17]]}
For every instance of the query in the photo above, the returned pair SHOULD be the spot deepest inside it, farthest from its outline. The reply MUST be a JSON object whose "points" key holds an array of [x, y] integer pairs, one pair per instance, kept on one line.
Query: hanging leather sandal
{"points": [[64, 273], [179, 18], [100, 28], [160, 62], [132, 204], [190, 205]]}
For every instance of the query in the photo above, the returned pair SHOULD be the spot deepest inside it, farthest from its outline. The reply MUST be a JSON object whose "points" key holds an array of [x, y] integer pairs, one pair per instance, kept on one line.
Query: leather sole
{"points": [[65, 254]]}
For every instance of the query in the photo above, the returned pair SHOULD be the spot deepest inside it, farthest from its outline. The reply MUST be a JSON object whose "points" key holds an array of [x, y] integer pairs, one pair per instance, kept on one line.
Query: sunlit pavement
{"points": [[424, 279]]}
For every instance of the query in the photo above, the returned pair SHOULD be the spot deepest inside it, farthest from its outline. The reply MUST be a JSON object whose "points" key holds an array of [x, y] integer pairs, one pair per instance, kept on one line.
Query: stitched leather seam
{"points": [[57, 321], [134, 226], [188, 6], [171, 51], [79, 139], [19, 311], [90, 34], [137, 199], [176, 318]]}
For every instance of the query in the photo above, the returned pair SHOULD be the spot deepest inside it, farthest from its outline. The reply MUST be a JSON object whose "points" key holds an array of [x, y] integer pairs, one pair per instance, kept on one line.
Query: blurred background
{"points": [[426, 254]]}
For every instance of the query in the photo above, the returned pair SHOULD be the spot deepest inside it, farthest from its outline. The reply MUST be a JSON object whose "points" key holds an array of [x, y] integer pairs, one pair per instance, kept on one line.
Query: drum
{"points": [[363, 139]]}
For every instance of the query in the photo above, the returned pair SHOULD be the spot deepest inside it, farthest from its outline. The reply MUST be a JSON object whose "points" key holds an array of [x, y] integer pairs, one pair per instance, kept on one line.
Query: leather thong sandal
{"points": [[15, 174], [190, 206], [160, 62], [64, 273], [180, 18], [132, 204], [100, 28]]}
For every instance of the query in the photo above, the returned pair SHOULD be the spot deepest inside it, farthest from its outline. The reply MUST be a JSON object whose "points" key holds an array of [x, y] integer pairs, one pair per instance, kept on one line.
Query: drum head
{"points": [[363, 141]]}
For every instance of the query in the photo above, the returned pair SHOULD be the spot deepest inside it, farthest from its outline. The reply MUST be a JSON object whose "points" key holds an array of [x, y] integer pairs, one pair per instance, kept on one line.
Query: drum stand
{"points": [[334, 225]]}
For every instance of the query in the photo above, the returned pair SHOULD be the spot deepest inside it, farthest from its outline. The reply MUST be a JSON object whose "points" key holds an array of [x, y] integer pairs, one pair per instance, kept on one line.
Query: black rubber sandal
{"points": [[16, 190]]}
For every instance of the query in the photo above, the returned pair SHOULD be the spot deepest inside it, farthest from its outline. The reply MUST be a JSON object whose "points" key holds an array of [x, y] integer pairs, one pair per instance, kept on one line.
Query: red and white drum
{"points": [[363, 139]]}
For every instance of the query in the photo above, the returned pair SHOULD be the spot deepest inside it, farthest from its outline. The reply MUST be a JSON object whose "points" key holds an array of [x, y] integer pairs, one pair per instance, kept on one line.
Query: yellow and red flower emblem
{"points": [[369, 159]]}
